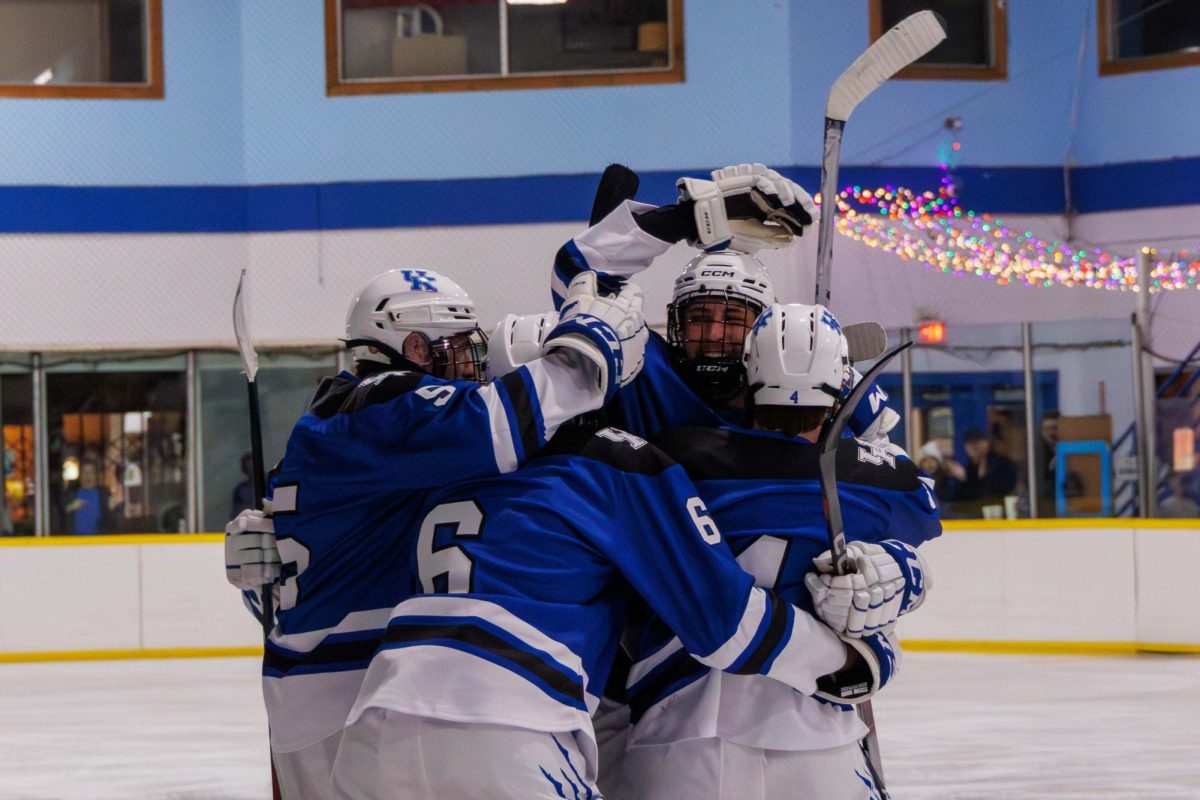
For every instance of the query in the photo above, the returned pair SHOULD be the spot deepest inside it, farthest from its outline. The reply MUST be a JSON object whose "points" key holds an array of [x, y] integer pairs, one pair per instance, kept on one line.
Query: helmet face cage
{"points": [[459, 356], [707, 331]]}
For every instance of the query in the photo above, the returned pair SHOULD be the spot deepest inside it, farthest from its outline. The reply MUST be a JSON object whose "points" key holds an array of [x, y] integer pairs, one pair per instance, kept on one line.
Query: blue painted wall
{"points": [[246, 105], [734, 103], [193, 136]]}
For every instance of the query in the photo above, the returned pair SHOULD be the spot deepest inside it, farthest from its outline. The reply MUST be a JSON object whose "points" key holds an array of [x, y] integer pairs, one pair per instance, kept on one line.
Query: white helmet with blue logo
{"points": [[797, 355], [401, 302]]}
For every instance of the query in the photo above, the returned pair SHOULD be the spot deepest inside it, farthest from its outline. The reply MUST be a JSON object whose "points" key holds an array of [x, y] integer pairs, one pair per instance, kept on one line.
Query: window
{"points": [[286, 382], [976, 48], [81, 48], [381, 46], [1137, 35], [117, 448], [17, 480]]}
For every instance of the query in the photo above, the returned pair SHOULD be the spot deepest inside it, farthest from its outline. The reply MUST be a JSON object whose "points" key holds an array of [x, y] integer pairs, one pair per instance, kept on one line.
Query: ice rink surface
{"points": [[953, 726]]}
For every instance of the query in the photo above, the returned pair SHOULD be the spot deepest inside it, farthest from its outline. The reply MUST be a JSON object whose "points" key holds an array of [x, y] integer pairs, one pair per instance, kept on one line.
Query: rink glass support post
{"points": [[193, 438], [1144, 389], [41, 452], [906, 389], [1031, 466]]}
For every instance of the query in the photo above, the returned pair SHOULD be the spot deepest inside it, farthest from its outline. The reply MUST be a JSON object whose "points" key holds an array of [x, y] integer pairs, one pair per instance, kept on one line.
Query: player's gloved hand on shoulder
{"points": [[780, 200], [887, 580], [607, 330], [873, 660], [251, 557]]}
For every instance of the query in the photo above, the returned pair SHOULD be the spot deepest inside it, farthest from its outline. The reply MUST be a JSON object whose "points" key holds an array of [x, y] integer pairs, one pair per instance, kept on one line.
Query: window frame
{"points": [[998, 71], [1110, 64], [336, 87], [151, 90]]}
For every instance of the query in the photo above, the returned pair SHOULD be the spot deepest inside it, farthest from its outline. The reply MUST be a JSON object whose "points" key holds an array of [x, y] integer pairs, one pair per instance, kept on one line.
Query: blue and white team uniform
{"points": [[763, 491], [658, 399], [525, 583], [348, 496]]}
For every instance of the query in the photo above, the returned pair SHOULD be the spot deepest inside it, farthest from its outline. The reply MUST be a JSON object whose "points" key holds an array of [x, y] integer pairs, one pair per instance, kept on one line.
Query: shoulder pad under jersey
{"points": [[611, 446], [380, 388], [723, 454]]}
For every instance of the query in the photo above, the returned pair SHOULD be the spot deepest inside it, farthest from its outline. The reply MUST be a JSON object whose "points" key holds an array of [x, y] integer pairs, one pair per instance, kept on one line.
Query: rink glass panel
{"points": [[286, 382], [1136, 35], [385, 46], [975, 49], [81, 48], [117, 446], [971, 383], [16, 450]]}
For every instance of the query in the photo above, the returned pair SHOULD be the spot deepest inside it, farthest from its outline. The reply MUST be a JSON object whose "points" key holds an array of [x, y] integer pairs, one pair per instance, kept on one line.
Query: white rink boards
{"points": [[953, 726]]}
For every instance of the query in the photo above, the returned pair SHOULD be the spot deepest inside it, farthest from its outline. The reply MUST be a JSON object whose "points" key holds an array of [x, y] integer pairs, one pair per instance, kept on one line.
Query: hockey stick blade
{"points": [[913, 37], [867, 340], [618, 184]]}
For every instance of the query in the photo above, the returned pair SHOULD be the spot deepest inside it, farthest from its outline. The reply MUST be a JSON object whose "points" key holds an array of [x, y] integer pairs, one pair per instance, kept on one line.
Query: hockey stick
{"points": [[827, 446], [912, 38], [250, 363], [258, 473], [618, 184]]}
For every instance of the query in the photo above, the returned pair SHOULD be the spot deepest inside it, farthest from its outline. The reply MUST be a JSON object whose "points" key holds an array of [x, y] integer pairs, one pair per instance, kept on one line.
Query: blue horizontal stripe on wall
{"points": [[534, 199]]}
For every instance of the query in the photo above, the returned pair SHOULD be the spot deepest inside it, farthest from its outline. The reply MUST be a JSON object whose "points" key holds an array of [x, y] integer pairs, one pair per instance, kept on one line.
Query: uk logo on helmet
{"points": [[420, 280], [830, 320], [762, 322]]}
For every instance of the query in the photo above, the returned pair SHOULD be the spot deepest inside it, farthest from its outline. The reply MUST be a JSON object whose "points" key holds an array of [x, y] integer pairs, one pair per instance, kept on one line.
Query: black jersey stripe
{"points": [[776, 628], [722, 454], [680, 670], [522, 406], [482, 639], [347, 653]]}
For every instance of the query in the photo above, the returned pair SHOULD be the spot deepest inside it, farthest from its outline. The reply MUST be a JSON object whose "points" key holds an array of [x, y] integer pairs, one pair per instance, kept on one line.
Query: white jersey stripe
{"points": [[502, 434], [306, 641], [748, 626]]}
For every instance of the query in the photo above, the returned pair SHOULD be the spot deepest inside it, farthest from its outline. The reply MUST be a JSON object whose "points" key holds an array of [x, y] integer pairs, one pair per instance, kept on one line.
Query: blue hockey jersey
{"points": [[347, 497], [763, 491], [525, 581]]}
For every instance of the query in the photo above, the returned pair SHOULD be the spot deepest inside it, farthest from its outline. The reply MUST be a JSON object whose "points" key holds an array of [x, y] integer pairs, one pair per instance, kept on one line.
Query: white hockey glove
{"points": [[781, 201], [734, 212], [874, 660], [517, 340], [251, 558], [888, 579], [608, 331]]}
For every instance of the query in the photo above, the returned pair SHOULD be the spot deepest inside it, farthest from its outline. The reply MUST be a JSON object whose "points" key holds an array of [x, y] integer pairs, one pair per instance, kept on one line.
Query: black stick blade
{"points": [[618, 184]]}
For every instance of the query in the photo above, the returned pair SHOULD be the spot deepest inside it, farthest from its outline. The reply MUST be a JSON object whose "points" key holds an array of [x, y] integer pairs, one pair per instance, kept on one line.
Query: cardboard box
{"points": [[1094, 427], [429, 54]]}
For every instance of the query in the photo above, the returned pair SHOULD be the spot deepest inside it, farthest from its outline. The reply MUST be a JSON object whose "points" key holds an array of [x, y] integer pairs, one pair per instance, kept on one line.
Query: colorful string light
{"points": [[933, 229]]}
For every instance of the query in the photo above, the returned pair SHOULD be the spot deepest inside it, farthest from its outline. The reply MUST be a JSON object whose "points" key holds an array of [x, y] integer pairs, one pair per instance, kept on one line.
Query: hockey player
{"points": [[695, 375], [702, 734], [486, 678], [345, 499]]}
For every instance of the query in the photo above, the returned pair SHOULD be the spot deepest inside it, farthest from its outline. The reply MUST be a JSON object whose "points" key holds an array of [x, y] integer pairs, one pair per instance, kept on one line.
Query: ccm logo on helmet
{"points": [[717, 273], [711, 368]]}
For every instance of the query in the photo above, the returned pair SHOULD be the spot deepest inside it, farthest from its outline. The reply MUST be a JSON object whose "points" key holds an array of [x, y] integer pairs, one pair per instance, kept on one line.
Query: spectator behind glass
{"points": [[1178, 505], [1047, 449], [987, 476], [931, 462], [92, 505], [243, 493]]}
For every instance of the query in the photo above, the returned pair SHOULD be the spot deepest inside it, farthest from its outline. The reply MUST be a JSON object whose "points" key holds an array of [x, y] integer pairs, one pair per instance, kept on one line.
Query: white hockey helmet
{"points": [[709, 357], [400, 302], [797, 355]]}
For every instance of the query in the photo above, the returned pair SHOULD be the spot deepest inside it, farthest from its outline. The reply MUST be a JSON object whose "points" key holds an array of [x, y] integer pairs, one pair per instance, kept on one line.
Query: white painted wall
{"points": [[1104, 584], [153, 291]]}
